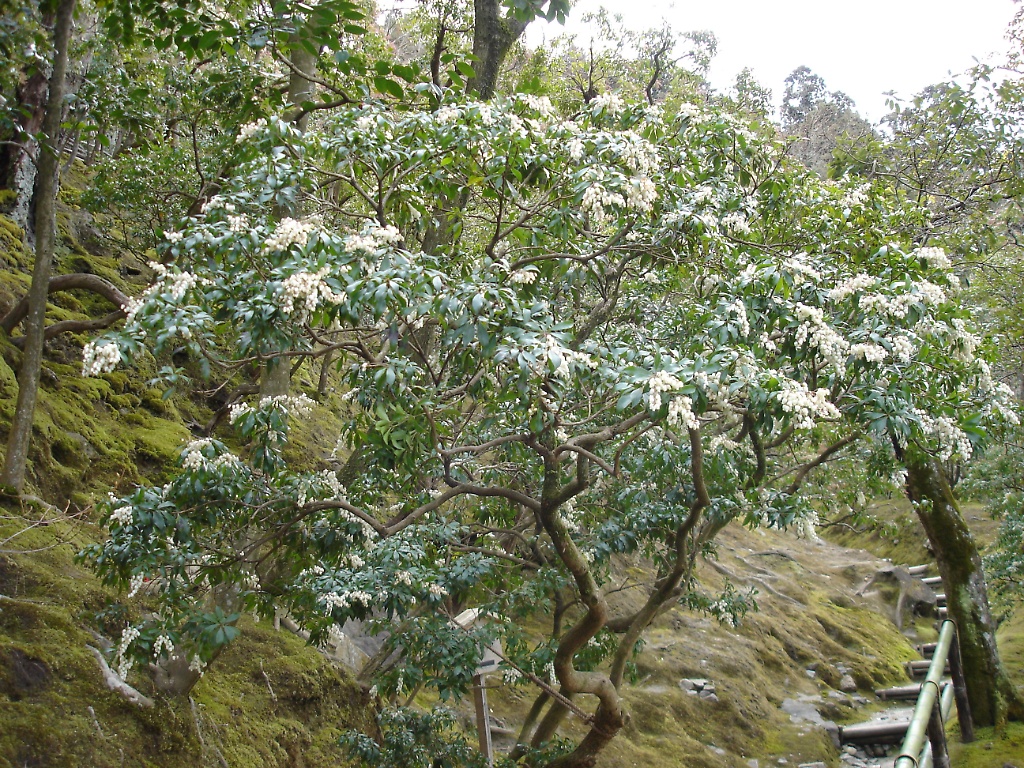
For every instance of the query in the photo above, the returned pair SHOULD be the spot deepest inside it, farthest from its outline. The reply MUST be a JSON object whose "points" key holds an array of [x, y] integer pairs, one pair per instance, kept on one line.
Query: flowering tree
{"points": [[638, 331]]}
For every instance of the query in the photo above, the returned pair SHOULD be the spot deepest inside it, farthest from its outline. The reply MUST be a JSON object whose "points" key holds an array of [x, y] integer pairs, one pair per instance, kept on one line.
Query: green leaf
{"points": [[388, 86]]}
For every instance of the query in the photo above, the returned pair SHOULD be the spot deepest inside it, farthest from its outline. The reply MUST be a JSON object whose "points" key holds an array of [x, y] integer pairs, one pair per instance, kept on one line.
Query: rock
{"points": [[818, 764], [83, 444], [696, 684], [902, 594], [348, 653], [712, 697], [716, 750], [753, 763], [833, 731], [803, 709], [847, 684], [850, 750]]}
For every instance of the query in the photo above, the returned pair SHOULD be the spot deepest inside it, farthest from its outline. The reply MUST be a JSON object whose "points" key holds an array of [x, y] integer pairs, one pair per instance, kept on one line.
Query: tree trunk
{"points": [[493, 36], [991, 694], [275, 376], [45, 202]]}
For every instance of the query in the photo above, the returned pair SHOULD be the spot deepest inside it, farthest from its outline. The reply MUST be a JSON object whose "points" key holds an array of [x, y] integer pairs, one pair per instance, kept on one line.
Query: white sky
{"points": [[863, 49]]}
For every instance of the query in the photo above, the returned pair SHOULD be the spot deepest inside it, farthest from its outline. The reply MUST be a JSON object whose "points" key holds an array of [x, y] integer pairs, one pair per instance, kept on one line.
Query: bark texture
{"points": [[494, 34], [45, 202], [992, 695]]}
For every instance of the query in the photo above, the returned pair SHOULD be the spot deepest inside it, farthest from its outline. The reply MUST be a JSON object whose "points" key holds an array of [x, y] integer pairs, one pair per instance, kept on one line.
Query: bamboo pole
{"points": [[483, 720], [922, 729]]}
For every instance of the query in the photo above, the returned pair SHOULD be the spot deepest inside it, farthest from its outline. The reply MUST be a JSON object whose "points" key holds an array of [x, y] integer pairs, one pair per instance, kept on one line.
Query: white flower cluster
{"points": [[524, 276], [639, 155], [607, 102], [935, 258], [657, 385], [856, 196], [437, 590], [447, 115], [298, 405], [308, 289], [902, 349], [576, 149], [801, 270], [249, 130], [173, 237], [965, 344], [930, 293], [551, 350], [238, 224], [736, 223], [100, 358], [689, 111], [816, 333], [722, 442], [739, 309], [641, 194], [680, 411], [197, 665], [540, 104], [192, 454], [333, 600], [162, 644], [806, 406], [373, 238], [136, 583], [124, 661], [486, 112], [289, 232], [869, 352], [404, 578], [596, 199], [366, 123], [848, 288], [1003, 401], [177, 283], [806, 525], [123, 515], [898, 306], [950, 439], [354, 561]]}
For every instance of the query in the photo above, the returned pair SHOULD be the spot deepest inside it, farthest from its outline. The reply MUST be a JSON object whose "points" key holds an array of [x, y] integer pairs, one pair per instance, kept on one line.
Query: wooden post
{"points": [[937, 736], [483, 719], [963, 705]]}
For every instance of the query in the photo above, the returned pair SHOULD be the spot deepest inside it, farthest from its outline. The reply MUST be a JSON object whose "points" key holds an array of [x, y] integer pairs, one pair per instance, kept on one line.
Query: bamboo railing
{"points": [[925, 743]]}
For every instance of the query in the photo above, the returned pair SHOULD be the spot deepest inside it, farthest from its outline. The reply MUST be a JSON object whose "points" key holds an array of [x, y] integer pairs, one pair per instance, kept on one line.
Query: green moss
{"points": [[991, 747], [268, 701], [892, 531]]}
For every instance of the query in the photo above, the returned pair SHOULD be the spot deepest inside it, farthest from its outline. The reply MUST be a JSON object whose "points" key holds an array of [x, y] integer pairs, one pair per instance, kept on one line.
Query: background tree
{"points": [[45, 216], [815, 118]]}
